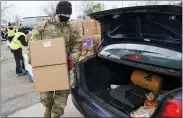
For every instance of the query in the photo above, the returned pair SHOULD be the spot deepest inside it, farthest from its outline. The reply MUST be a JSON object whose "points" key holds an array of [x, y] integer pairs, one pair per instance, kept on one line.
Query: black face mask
{"points": [[63, 18]]}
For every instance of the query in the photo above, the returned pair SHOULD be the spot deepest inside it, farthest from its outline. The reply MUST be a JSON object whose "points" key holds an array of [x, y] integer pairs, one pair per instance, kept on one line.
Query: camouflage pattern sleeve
{"points": [[71, 35], [36, 35]]}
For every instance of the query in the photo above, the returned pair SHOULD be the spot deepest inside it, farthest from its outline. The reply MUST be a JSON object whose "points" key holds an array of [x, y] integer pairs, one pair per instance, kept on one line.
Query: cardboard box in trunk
{"points": [[51, 78], [48, 52], [49, 62]]}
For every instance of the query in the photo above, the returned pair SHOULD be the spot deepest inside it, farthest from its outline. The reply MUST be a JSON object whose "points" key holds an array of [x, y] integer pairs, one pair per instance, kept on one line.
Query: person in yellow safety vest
{"points": [[96, 10], [17, 45], [11, 32]]}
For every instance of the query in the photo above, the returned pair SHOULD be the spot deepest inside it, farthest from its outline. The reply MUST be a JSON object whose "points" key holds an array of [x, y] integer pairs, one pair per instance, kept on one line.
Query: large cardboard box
{"points": [[97, 39], [97, 24], [49, 62], [91, 27], [88, 26], [96, 31], [51, 78], [48, 52]]}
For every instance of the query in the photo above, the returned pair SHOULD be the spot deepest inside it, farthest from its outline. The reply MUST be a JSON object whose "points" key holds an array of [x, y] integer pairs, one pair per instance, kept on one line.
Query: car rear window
{"points": [[131, 25], [151, 28]]}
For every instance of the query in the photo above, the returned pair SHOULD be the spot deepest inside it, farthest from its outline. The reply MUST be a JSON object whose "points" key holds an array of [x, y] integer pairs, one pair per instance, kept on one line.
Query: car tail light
{"points": [[172, 109], [136, 57]]}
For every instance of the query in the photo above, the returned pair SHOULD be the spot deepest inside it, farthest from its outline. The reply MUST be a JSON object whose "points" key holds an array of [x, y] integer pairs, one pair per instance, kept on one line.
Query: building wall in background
{"points": [[4, 22], [33, 21]]}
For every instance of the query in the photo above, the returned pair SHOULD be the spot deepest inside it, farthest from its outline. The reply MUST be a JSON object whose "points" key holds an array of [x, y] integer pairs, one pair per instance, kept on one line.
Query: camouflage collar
{"points": [[57, 25]]}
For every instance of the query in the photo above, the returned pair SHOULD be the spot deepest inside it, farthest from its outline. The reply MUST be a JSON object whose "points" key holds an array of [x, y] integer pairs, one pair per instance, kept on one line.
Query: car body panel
{"points": [[161, 9], [150, 54], [87, 107], [86, 103]]}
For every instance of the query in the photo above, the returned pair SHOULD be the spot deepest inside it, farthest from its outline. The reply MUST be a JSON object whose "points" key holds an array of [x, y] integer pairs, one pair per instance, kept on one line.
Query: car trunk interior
{"points": [[100, 74]]}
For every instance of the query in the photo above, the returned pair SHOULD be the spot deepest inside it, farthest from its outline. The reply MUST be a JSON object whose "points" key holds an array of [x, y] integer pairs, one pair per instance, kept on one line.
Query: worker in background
{"points": [[17, 45], [55, 101], [11, 32]]}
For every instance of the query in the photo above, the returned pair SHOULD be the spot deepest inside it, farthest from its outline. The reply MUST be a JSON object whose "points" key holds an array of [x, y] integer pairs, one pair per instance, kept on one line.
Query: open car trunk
{"points": [[100, 74], [156, 26]]}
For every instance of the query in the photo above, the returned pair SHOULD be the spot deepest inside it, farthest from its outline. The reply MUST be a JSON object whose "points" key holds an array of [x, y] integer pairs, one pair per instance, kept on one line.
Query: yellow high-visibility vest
{"points": [[15, 43], [96, 10], [11, 32]]}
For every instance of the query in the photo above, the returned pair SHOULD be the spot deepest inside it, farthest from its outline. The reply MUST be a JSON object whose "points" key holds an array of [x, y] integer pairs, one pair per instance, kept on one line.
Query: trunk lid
{"points": [[158, 25]]}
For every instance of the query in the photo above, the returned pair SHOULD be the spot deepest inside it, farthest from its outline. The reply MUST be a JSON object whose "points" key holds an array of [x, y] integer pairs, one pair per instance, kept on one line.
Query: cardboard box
{"points": [[97, 24], [49, 62], [91, 27], [88, 25], [51, 78], [48, 52], [97, 39], [96, 31]]}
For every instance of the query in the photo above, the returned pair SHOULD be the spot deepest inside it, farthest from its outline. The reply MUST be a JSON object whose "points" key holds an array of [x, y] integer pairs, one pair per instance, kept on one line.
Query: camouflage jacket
{"points": [[50, 30]]}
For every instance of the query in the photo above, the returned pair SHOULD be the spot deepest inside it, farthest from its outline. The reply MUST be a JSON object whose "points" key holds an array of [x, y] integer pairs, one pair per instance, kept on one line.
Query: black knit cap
{"points": [[64, 7]]}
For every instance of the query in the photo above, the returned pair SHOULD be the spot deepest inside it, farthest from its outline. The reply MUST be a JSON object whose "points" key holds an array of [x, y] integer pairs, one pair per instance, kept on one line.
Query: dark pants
{"points": [[10, 38], [19, 60]]}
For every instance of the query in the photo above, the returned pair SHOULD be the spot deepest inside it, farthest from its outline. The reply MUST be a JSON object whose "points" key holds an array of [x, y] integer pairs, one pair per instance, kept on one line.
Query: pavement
{"points": [[18, 97], [37, 110], [16, 92]]}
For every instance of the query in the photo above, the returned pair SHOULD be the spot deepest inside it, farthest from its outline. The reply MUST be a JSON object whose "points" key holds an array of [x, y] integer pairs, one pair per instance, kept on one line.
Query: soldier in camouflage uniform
{"points": [[55, 28]]}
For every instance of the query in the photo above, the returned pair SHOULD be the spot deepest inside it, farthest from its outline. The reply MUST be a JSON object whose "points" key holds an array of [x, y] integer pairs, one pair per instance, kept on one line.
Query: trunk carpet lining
{"points": [[124, 94]]}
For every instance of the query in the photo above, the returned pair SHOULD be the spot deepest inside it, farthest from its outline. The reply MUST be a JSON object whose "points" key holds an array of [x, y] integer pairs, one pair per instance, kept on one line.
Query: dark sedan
{"points": [[137, 72]]}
